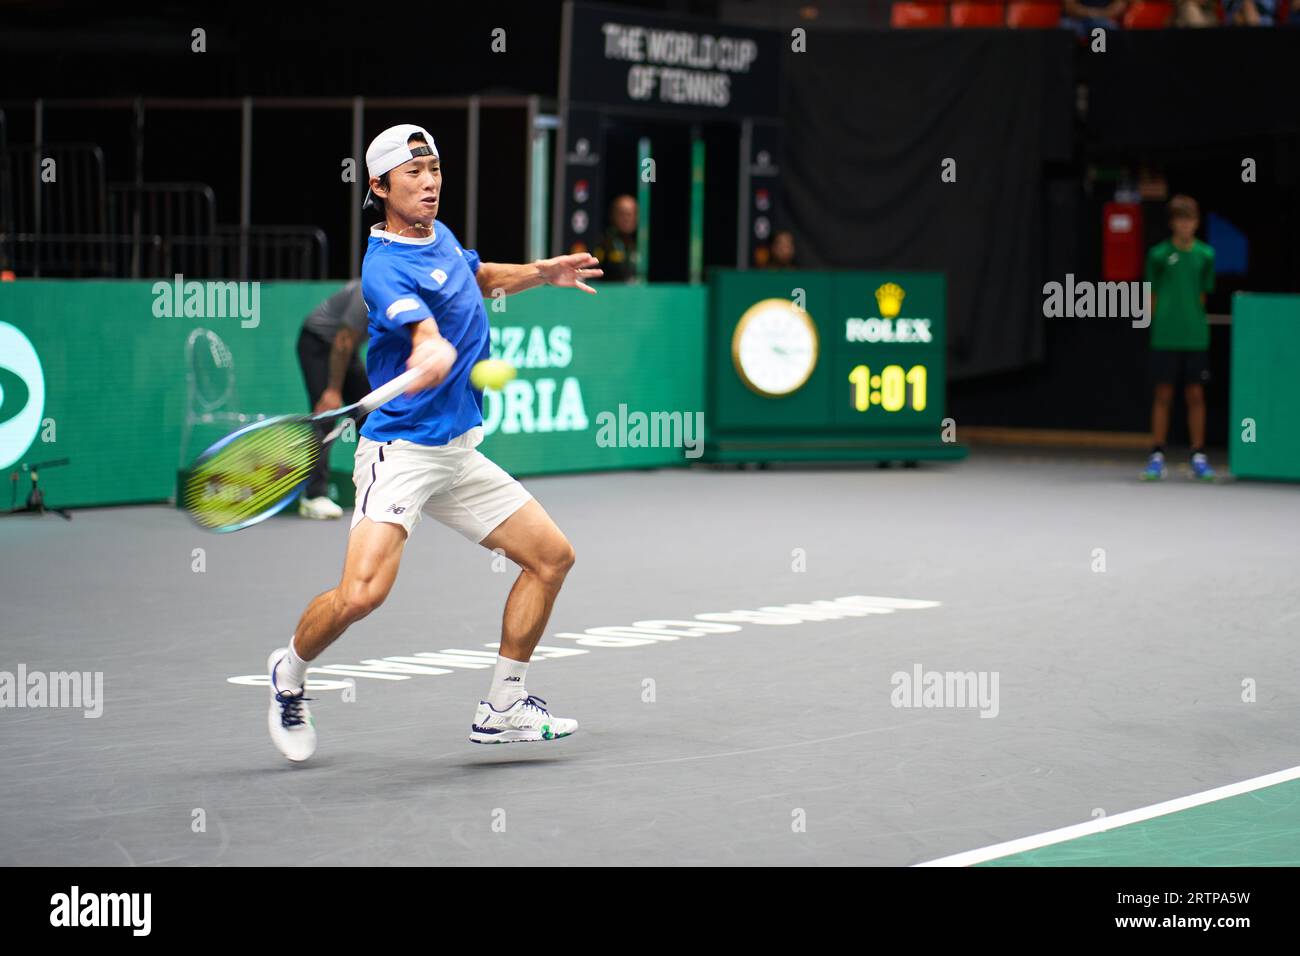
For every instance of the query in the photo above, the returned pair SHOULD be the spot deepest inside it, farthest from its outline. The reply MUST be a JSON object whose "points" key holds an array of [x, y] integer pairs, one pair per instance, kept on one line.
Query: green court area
{"points": [[1260, 828]]}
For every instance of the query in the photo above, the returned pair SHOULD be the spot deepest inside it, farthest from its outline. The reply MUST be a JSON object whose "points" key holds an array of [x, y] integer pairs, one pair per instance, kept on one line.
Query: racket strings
{"points": [[251, 475]]}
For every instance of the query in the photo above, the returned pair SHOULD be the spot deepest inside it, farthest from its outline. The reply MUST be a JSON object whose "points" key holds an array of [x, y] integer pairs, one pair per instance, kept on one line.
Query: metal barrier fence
{"points": [[81, 256], [139, 229], [257, 253], [184, 215], [89, 229]]}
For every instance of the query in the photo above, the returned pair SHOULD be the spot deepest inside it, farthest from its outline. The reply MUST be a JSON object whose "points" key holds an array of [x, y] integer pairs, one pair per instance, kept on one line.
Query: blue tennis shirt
{"points": [[405, 281]]}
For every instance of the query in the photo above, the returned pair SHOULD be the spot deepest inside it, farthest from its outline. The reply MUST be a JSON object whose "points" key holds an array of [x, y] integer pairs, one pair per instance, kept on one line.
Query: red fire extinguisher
{"points": [[1121, 242]]}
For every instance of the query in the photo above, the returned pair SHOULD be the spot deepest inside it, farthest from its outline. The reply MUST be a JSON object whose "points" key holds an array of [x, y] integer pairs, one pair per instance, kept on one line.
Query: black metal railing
{"points": [[176, 212], [59, 219], [259, 253]]}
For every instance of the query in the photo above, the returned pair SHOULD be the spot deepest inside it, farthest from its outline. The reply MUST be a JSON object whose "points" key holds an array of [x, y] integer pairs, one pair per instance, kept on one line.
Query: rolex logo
{"points": [[890, 299]]}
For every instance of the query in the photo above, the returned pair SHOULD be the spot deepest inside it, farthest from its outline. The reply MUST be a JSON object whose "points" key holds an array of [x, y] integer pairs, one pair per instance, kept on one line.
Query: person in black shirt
{"points": [[617, 250], [328, 349]]}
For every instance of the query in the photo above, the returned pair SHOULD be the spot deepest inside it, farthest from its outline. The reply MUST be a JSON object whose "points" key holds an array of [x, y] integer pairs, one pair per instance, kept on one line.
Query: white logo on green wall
{"points": [[22, 394], [534, 404]]}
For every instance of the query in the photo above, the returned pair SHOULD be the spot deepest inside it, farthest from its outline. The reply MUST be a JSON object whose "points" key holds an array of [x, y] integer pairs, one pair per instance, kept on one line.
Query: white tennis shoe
{"points": [[524, 720], [293, 731], [321, 508]]}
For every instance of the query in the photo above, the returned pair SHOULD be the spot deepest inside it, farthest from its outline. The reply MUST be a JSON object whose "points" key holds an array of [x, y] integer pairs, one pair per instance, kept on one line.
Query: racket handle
{"points": [[389, 390], [381, 396]]}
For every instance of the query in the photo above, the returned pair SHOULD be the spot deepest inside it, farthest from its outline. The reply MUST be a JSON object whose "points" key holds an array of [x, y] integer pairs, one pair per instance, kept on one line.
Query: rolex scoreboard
{"points": [[808, 366]]}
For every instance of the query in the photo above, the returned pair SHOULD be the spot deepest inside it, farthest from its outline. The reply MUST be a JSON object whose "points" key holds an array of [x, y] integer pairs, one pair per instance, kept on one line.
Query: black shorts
{"points": [[1180, 368]]}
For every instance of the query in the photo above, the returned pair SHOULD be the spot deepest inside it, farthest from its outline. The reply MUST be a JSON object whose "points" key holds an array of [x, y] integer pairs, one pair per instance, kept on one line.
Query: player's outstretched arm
{"points": [[569, 271]]}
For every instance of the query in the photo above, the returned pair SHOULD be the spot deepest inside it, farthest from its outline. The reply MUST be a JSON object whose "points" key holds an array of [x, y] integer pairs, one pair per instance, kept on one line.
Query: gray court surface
{"points": [[770, 744]]}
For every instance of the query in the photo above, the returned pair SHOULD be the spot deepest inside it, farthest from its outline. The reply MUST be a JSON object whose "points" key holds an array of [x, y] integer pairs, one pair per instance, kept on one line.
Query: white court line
{"points": [[1101, 824]]}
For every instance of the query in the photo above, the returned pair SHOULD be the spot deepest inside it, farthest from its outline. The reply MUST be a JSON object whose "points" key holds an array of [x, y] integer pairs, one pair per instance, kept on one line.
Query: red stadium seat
{"points": [[920, 13], [1148, 15], [1033, 14], [978, 13]]}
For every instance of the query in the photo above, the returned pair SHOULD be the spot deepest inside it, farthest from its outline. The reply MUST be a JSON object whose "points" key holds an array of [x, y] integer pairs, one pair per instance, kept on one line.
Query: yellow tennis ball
{"points": [[491, 373]]}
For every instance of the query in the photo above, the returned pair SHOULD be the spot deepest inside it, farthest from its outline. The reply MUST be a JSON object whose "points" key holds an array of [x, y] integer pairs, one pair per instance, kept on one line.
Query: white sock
{"points": [[291, 672], [507, 683]]}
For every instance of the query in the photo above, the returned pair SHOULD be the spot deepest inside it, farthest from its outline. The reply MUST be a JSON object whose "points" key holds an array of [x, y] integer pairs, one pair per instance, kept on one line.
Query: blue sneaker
{"points": [[1201, 469], [1155, 469]]}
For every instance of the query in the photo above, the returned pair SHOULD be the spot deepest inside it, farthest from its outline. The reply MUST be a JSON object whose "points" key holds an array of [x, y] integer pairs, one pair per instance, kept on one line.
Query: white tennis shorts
{"points": [[397, 481]]}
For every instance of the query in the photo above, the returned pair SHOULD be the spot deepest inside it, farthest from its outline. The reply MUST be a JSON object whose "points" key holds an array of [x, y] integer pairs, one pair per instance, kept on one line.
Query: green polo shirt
{"points": [[1178, 278]]}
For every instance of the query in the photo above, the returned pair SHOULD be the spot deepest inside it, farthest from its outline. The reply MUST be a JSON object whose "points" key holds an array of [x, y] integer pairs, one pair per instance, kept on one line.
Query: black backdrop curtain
{"points": [[1175, 90], [869, 118]]}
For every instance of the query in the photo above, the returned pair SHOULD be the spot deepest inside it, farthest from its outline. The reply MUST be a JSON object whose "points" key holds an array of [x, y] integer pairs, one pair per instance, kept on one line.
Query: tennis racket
{"points": [[260, 469]]}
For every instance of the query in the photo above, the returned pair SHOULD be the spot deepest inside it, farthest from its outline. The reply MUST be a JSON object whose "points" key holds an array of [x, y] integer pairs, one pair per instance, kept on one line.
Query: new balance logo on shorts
{"points": [[397, 509]]}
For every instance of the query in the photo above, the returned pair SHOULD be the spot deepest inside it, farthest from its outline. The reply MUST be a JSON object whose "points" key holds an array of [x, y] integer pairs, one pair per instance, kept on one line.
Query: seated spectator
{"points": [[1249, 13], [617, 250], [782, 250], [1196, 13], [1084, 16]]}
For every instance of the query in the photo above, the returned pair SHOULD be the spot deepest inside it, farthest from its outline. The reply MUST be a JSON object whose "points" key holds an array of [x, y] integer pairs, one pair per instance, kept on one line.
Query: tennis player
{"points": [[417, 455]]}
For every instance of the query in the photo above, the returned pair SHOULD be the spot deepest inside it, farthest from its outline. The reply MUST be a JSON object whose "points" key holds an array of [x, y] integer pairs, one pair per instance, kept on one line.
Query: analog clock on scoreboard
{"points": [[774, 347]]}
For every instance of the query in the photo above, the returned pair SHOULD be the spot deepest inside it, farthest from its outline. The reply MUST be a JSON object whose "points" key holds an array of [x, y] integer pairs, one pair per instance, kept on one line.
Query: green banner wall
{"points": [[640, 348], [90, 372], [1264, 406]]}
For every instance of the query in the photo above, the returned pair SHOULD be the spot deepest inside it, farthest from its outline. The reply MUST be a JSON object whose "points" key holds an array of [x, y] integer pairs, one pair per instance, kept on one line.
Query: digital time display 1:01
{"points": [[892, 390]]}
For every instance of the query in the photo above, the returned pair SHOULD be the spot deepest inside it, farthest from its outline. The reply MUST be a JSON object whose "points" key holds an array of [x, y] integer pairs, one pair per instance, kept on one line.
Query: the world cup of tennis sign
{"points": [[621, 67], [626, 58]]}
